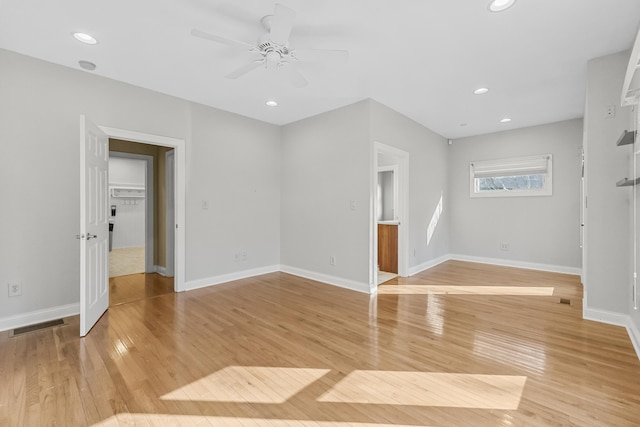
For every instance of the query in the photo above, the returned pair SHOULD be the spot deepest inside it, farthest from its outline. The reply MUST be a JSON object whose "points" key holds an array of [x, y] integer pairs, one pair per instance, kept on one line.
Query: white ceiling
{"points": [[422, 58]]}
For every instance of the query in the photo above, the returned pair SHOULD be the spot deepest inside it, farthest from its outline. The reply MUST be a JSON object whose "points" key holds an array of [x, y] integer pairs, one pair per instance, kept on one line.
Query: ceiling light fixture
{"points": [[505, 120], [500, 5], [481, 91], [271, 103], [86, 65], [85, 38]]}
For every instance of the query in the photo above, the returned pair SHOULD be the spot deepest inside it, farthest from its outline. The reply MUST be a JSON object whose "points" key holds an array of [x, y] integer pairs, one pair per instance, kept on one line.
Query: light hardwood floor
{"points": [[460, 345], [135, 287]]}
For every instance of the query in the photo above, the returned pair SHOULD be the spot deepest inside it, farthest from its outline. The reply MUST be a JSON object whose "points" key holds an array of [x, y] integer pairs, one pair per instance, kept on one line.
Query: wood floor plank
{"points": [[278, 350]]}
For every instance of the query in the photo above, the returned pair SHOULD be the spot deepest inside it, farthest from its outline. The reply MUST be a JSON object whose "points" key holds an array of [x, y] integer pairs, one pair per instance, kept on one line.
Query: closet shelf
{"points": [[128, 192], [627, 137], [626, 182]]}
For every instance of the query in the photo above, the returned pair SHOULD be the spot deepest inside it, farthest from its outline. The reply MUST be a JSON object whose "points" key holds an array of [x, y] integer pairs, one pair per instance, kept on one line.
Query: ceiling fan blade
{"points": [[281, 24], [220, 39], [322, 55], [244, 70], [295, 77]]}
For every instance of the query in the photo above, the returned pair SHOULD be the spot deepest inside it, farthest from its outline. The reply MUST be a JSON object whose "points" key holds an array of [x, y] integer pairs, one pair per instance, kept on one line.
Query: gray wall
{"points": [[607, 233], [428, 158], [325, 164], [540, 230], [40, 105]]}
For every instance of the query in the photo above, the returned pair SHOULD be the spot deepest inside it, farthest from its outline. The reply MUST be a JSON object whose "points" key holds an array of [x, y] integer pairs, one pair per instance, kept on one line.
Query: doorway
{"points": [[138, 234], [389, 222], [165, 196]]}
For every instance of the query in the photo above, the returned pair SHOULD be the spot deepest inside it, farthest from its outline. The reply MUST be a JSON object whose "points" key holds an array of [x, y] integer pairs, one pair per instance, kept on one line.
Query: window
{"points": [[519, 176]]}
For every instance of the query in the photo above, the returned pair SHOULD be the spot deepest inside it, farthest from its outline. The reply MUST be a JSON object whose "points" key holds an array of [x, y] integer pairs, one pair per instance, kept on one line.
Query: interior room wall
{"points": [[542, 230], [326, 165], [40, 106], [129, 221], [607, 264], [428, 188]]}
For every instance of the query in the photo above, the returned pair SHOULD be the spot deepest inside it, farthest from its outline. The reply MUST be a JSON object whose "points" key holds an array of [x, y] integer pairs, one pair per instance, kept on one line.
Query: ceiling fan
{"points": [[272, 50]]}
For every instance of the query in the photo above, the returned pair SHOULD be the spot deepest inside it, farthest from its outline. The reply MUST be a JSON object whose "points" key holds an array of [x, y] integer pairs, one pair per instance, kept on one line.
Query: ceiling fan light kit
{"points": [[273, 48]]}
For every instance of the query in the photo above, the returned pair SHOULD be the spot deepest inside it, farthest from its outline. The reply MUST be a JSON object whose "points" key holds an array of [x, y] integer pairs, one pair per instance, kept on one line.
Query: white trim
{"points": [[519, 264], [160, 270], [634, 335], [39, 316], [170, 228], [229, 277], [179, 146], [605, 316], [325, 278], [428, 264], [616, 319]]}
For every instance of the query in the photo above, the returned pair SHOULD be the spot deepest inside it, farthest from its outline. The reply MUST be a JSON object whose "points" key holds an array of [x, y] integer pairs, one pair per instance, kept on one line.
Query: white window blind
{"points": [[518, 176]]}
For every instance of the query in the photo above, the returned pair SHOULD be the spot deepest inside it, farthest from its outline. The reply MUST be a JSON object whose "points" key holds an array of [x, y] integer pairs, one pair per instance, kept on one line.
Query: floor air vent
{"points": [[565, 301], [37, 327]]}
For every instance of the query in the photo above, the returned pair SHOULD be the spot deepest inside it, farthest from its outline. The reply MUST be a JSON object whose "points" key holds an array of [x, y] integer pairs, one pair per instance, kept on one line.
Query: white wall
{"points": [[428, 158], [326, 164], [40, 105], [129, 222], [607, 232], [541, 230]]}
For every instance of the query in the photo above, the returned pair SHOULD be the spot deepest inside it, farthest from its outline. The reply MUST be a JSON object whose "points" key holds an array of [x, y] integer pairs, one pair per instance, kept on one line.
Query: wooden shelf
{"points": [[626, 182], [627, 137]]}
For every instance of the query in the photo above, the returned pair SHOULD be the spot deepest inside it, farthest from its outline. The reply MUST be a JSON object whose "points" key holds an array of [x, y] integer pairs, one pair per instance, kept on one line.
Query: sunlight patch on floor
{"points": [[253, 384], [465, 290], [429, 389]]}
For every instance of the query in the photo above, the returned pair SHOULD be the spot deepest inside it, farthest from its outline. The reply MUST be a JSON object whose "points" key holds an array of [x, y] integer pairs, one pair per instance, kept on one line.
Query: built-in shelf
{"points": [[127, 192], [627, 137], [626, 182]]}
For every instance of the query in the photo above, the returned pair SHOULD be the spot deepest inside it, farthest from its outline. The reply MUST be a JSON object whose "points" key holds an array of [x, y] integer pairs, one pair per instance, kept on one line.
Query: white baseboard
{"points": [[617, 319], [325, 278], [518, 264], [38, 316], [429, 264], [605, 316], [160, 270], [634, 334], [229, 277]]}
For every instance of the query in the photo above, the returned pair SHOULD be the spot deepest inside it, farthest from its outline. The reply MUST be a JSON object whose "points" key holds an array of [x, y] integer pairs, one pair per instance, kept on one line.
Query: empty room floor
{"points": [[461, 344]]}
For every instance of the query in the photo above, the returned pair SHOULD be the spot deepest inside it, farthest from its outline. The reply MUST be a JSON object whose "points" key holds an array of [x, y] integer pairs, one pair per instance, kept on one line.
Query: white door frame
{"points": [[170, 212], [149, 190], [179, 147], [402, 158]]}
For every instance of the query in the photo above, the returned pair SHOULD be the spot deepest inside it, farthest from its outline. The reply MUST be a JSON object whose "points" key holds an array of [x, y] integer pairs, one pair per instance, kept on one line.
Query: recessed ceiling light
{"points": [[90, 66], [481, 91], [500, 5], [505, 120], [271, 103], [85, 38]]}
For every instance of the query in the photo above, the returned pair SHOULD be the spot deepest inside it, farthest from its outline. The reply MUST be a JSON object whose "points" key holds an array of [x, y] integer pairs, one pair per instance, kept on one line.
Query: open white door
{"points": [[94, 225]]}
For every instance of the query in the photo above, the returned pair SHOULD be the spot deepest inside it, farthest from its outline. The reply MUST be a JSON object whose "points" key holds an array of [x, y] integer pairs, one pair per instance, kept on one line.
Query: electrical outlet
{"points": [[332, 260], [243, 256], [205, 205], [610, 111], [504, 246], [15, 289]]}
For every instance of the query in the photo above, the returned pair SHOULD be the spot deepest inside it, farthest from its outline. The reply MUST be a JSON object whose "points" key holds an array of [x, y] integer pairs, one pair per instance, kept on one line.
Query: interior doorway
{"points": [[139, 232], [389, 222]]}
